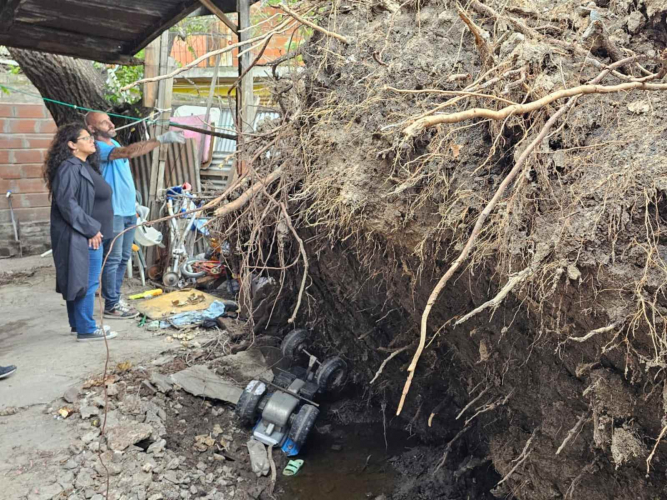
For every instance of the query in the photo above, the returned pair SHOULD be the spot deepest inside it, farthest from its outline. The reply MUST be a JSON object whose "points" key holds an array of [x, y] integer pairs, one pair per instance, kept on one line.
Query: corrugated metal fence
{"points": [[181, 166]]}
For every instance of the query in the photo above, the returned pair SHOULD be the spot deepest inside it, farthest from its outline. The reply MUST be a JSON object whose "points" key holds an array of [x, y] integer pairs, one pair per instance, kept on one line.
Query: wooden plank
{"points": [[7, 13], [182, 10], [55, 42], [216, 7], [244, 98]]}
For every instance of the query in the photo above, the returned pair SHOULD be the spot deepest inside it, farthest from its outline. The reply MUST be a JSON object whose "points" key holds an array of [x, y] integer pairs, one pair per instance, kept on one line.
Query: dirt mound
{"points": [[395, 142]]}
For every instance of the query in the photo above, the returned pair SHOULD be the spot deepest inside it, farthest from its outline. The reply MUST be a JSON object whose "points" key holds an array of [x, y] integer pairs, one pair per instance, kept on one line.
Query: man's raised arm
{"points": [[143, 147]]}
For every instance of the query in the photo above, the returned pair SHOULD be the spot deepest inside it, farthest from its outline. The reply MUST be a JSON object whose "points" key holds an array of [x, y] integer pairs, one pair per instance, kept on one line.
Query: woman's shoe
{"points": [[6, 371], [98, 334]]}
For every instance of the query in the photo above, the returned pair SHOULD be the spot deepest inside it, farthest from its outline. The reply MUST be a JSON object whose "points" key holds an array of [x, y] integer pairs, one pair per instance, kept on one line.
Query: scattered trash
{"points": [[162, 306], [292, 467], [147, 294], [259, 460], [216, 309], [153, 326], [66, 411], [200, 381], [193, 299]]}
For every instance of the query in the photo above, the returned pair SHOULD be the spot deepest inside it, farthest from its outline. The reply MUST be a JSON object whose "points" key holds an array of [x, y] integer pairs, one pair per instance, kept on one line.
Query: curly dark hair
{"points": [[59, 151]]}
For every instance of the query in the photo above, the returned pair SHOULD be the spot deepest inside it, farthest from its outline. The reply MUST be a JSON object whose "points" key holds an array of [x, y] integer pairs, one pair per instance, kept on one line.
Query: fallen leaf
{"points": [[124, 366], [65, 411]]}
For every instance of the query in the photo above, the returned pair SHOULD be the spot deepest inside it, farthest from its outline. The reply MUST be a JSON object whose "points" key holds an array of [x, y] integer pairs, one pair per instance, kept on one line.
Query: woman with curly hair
{"points": [[81, 214]]}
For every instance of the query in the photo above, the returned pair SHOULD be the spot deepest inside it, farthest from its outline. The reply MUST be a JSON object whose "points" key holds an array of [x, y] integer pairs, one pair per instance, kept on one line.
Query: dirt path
{"points": [[34, 335]]}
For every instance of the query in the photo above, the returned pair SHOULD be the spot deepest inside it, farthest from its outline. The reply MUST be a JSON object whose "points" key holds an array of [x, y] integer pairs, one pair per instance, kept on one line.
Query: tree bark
{"points": [[65, 79]]}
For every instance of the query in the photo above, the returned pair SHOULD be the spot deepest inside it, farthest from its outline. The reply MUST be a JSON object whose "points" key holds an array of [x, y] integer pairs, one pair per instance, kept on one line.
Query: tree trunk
{"points": [[65, 79]]}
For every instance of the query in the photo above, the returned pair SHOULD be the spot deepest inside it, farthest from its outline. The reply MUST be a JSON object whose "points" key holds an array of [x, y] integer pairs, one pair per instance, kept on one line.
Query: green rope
{"points": [[67, 104]]}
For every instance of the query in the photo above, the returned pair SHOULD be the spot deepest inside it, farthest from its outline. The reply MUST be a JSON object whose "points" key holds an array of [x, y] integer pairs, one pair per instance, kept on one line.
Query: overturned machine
{"points": [[286, 407]]}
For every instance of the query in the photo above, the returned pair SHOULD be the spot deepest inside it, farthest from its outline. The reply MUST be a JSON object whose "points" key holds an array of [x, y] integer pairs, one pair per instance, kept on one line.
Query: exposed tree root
{"points": [[241, 201], [448, 448], [520, 109], [525, 453], [482, 218], [389, 358], [592, 333], [573, 432], [650, 457]]}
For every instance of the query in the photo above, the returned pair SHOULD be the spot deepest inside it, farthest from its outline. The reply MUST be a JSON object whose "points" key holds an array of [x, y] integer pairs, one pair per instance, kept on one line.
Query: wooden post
{"points": [[164, 93], [245, 109], [151, 69]]}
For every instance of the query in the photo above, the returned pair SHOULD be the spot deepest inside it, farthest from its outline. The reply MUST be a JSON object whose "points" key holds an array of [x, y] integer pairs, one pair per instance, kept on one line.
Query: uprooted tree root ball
{"points": [[470, 197]]}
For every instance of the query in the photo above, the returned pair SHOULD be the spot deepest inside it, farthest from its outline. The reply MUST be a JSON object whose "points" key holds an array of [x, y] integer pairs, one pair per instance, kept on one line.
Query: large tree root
{"points": [[521, 109], [480, 222]]}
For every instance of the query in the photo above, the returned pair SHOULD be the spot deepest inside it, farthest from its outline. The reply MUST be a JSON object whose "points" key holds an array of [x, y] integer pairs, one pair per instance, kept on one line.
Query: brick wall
{"points": [[26, 131]]}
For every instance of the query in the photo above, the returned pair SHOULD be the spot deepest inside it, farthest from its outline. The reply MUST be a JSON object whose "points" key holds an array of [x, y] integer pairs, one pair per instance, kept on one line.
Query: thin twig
{"points": [[281, 28], [296, 16], [384, 363]]}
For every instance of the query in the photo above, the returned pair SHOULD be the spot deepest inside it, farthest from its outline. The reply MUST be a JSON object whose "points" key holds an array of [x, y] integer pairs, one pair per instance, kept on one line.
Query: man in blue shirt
{"points": [[116, 171]]}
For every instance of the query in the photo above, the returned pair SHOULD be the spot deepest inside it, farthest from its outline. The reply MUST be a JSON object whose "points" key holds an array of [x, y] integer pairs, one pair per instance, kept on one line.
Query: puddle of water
{"points": [[348, 473]]}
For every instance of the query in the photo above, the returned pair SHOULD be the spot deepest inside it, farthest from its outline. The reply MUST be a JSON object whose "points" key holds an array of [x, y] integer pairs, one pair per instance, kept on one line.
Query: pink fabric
{"points": [[194, 121]]}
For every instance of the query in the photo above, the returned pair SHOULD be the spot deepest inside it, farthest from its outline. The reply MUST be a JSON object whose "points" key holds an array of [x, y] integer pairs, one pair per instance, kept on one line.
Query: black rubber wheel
{"points": [[246, 408], [331, 374], [292, 343], [303, 424]]}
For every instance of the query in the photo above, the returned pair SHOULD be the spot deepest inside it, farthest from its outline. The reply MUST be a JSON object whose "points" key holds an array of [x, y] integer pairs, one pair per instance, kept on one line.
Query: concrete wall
{"points": [[26, 131]]}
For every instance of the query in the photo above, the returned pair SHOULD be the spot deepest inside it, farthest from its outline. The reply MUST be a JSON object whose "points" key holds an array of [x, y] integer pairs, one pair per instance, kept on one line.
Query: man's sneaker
{"points": [[107, 329], [6, 371], [98, 334], [120, 312]]}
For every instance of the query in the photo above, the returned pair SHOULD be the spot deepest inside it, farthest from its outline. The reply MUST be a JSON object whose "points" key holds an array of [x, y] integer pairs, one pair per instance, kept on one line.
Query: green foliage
{"points": [[118, 76]]}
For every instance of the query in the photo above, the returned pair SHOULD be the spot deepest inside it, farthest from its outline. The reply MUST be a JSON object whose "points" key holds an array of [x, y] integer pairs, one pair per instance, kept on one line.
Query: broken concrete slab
{"points": [[200, 381], [248, 365], [122, 437], [46, 492], [161, 382], [88, 411], [72, 394]]}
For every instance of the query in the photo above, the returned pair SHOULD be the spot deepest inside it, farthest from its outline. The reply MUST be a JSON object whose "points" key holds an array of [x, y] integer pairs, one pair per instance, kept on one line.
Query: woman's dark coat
{"points": [[72, 199]]}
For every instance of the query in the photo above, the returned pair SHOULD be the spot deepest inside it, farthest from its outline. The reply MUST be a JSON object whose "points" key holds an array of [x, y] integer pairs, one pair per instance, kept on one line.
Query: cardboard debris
{"points": [[180, 301]]}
